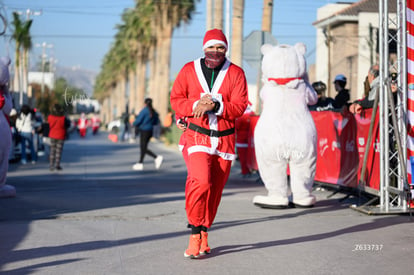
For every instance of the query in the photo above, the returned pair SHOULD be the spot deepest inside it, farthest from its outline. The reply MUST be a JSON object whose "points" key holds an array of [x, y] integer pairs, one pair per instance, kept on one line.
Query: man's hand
{"points": [[394, 87], [206, 99], [205, 104], [182, 125], [355, 108]]}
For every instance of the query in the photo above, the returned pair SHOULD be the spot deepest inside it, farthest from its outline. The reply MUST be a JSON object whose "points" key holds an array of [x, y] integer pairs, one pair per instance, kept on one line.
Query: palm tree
{"points": [[145, 38], [27, 46], [127, 60], [170, 14], [23, 40], [125, 50], [142, 35]]}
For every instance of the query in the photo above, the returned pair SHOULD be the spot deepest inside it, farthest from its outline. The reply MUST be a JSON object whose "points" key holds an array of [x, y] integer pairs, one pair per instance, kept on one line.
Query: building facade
{"points": [[347, 43]]}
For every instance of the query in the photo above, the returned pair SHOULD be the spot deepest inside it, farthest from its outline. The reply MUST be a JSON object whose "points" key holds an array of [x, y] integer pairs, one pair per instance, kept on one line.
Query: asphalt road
{"points": [[98, 216]]}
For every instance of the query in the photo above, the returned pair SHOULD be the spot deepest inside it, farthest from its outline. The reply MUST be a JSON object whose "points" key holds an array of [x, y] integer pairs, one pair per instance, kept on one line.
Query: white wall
{"points": [[49, 79], [321, 62]]}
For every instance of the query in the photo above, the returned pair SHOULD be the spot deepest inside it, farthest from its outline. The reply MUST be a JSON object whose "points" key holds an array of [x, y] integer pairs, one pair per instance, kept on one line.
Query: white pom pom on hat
{"points": [[213, 37]]}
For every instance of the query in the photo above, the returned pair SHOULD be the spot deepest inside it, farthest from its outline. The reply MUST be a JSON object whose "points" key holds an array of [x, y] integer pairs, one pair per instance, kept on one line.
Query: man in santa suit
{"points": [[211, 93], [82, 125], [96, 123]]}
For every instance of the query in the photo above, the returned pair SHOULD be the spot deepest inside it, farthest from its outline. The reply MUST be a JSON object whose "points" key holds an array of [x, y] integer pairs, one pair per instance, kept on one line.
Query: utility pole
{"points": [[44, 45]]}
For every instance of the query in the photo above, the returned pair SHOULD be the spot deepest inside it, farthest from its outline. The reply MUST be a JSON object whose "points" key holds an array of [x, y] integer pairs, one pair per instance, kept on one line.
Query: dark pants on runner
{"points": [[145, 137]]}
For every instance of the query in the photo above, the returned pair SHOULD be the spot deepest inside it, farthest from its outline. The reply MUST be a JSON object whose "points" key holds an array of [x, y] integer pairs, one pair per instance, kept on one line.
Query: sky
{"points": [[78, 33]]}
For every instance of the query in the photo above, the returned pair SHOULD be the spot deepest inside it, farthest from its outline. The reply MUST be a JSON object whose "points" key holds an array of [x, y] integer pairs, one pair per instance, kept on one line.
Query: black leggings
{"points": [[145, 137]]}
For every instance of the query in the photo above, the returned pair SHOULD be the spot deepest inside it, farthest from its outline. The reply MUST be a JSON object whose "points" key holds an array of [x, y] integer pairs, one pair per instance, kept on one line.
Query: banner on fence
{"points": [[342, 139]]}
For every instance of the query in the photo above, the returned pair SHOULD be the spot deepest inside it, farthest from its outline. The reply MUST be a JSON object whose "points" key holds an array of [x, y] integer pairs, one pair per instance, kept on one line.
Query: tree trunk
{"points": [[237, 36], [25, 70], [132, 90], [164, 72], [16, 79], [218, 14], [123, 94], [160, 78], [103, 114], [153, 78], [118, 98], [141, 80], [209, 19], [267, 16], [153, 55]]}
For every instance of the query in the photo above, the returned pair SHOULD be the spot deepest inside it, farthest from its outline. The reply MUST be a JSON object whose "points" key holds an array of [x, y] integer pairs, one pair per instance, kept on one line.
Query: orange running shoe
{"points": [[204, 248], [193, 250]]}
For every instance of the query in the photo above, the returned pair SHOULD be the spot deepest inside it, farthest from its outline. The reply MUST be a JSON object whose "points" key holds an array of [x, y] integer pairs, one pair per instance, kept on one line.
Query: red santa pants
{"points": [[82, 132], [243, 152], [207, 175]]}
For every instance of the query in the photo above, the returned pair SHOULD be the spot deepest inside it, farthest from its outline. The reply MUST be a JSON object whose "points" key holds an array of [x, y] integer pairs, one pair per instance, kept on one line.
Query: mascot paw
{"points": [[271, 202], [305, 202], [7, 191]]}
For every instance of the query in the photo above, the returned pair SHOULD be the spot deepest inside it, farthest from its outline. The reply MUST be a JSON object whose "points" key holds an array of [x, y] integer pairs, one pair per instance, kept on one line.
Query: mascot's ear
{"points": [[266, 48], [300, 48]]}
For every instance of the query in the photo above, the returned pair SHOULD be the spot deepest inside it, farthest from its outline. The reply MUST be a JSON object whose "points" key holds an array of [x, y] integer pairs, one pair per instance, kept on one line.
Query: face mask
{"points": [[214, 59]]}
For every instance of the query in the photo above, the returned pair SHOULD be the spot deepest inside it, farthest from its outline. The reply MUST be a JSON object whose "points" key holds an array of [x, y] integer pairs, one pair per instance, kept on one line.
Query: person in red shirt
{"points": [[58, 124], [211, 92]]}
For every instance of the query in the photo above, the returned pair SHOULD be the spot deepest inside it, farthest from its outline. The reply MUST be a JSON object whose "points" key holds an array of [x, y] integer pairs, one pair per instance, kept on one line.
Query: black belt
{"points": [[211, 133]]}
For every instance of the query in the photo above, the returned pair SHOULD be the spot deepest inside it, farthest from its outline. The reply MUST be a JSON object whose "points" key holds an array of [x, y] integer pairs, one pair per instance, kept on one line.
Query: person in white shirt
{"points": [[24, 125]]}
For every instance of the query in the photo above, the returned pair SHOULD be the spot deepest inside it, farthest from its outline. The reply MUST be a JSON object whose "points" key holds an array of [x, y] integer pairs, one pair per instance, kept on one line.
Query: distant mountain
{"points": [[77, 77]]}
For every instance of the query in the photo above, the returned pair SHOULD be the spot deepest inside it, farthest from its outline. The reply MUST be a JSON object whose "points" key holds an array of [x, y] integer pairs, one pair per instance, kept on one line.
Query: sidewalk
{"points": [[98, 216]]}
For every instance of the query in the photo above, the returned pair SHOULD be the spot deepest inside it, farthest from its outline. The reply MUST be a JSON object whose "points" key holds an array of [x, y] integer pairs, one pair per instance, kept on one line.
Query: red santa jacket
{"points": [[230, 89], [243, 129]]}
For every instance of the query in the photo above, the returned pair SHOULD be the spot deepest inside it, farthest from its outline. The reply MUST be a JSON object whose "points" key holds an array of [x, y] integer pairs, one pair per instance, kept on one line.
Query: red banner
{"points": [[341, 145]]}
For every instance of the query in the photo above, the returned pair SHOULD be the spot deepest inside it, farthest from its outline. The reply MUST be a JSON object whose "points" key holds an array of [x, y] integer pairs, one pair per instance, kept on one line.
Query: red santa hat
{"points": [[213, 37]]}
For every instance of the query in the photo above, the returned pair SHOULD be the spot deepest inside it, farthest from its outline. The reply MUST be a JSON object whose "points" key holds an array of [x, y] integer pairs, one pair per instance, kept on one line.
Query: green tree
{"points": [[170, 14], [63, 94], [144, 37]]}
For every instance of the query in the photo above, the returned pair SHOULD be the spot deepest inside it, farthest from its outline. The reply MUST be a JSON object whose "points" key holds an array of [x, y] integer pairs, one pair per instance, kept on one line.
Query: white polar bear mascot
{"points": [[285, 135], [5, 133]]}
